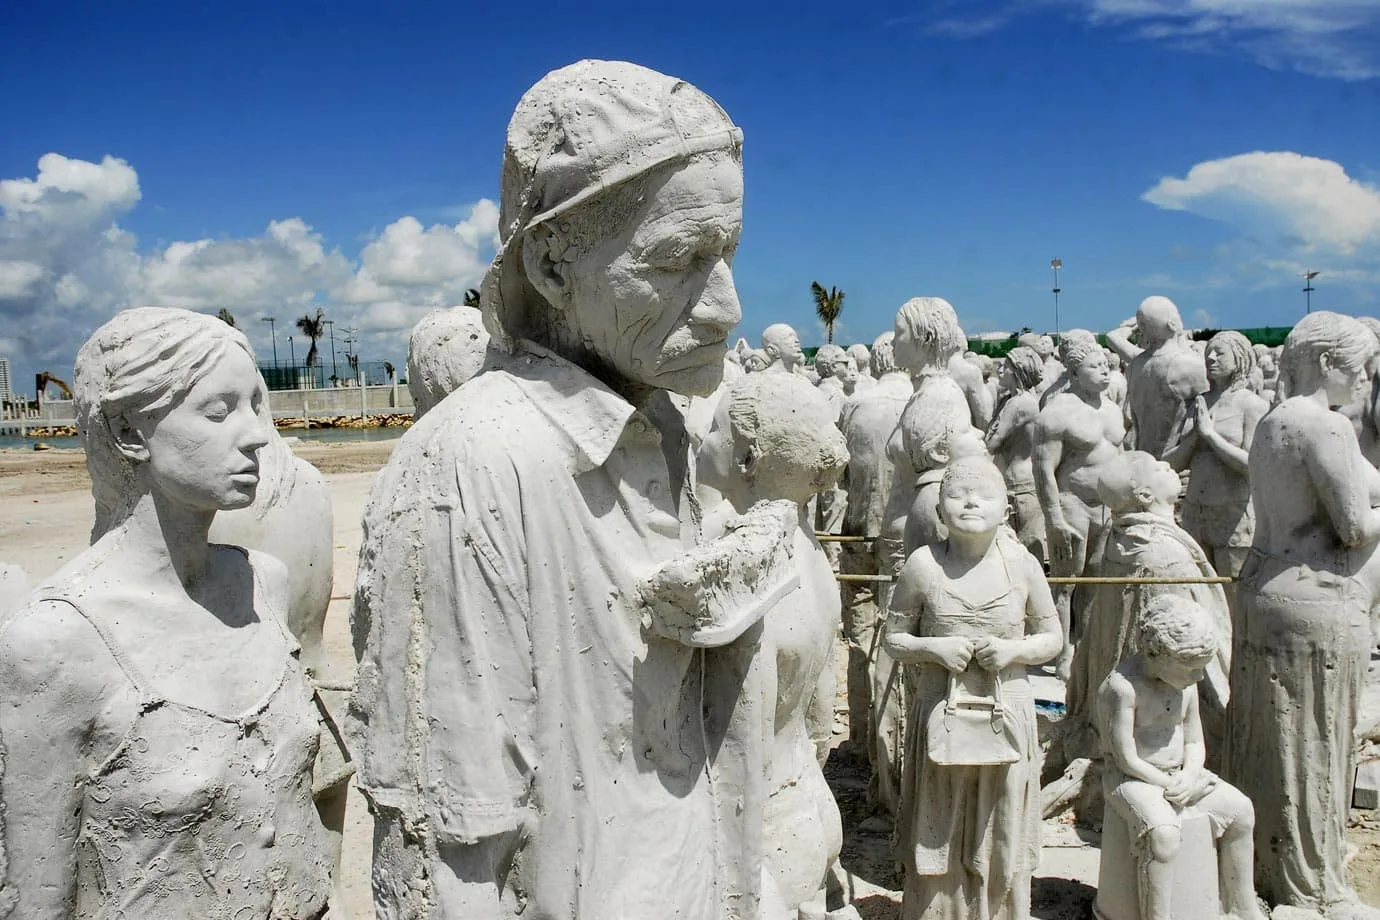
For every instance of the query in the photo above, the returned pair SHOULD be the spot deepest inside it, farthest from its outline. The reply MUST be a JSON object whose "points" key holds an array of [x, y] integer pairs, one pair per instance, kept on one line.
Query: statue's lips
{"points": [[699, 356]]}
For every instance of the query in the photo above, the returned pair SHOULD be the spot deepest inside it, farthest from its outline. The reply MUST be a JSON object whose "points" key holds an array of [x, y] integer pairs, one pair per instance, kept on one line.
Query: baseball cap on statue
{"points": [[581, 130]]}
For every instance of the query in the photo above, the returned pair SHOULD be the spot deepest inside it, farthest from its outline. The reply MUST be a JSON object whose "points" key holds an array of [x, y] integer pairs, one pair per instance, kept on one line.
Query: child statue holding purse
{"points": [[968, 615]]}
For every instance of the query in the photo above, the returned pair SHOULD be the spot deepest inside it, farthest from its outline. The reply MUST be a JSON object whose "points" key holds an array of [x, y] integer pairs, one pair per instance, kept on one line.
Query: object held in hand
{"points": [[712, 594]]}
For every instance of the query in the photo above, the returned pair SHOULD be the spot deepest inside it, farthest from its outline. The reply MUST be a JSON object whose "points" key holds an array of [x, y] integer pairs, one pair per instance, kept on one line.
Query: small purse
{"points": [[970, 730]]}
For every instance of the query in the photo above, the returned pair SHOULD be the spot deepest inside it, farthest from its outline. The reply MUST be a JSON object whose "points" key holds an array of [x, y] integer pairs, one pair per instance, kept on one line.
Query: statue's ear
{"points": [[1326, 362], [129, 438], [541, 261]]}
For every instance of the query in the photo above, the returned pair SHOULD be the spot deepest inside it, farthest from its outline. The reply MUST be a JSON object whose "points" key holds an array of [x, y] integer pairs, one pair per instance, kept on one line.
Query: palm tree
{"points": [[828, 305], [313, 327], [471, 297], [226, 317], [388, 369]]}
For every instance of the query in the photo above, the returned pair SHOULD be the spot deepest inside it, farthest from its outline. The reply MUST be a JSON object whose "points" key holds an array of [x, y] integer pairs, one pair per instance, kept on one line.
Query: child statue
{"points": [[1144, 541], [774, 438], [969, 615], [1153, 740]]}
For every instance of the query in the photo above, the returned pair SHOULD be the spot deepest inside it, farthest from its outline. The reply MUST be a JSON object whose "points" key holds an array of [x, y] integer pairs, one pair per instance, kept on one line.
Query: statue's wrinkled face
{"points": [[203, 452], [654, 298]]}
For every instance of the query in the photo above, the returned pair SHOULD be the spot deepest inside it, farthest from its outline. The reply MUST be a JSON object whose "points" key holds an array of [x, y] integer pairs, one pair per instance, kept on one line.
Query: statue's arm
{"points": [[1187, 376], [1183, 440], [1048, 451], [1044, 636], [52, 666], [1116, 700], [978, 396], [1195, 748], [1335, 464], [819, 717], [1009, 419], [1119, 341], [1234, 456]]}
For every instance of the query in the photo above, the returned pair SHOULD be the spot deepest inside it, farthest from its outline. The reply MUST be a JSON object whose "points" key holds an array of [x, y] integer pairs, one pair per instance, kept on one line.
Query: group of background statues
{"points": [[596, 628]]}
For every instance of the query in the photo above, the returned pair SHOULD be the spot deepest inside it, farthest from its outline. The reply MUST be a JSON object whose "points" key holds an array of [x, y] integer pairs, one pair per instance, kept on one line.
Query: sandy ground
{"points": [[45, 517]]}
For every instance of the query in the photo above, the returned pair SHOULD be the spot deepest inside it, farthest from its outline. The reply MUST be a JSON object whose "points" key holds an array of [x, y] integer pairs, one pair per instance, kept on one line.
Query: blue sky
{"points": [[269, 157]]}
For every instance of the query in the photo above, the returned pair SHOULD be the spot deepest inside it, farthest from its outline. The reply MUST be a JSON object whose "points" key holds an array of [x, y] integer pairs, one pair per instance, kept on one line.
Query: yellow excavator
{"points": [[41, 382]]}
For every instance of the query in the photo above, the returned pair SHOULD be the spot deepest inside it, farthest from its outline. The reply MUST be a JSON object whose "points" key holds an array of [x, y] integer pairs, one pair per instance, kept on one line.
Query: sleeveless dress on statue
{"points": [[969, 836], [199, 814]]}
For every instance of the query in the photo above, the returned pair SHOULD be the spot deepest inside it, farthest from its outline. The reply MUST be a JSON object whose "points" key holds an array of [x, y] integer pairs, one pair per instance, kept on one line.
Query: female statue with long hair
{"points": [[1213, 447], [1303, 640], [159, 731]]}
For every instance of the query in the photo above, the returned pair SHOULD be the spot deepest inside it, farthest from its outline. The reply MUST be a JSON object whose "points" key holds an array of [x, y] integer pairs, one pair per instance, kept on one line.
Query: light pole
{"points": [[1056, 264], [1308, 277], [273, 331], [335, 369], [293, 353]]}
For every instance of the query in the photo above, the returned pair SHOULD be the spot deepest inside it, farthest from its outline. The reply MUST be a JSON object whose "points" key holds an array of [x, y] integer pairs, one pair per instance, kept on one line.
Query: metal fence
{"points": [[301, 377]]}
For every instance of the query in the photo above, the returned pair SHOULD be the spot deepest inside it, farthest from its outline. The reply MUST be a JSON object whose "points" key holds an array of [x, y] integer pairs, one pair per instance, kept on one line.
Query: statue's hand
{"points": [[953, 652], [1206, 426], [994, 654], [1063, 537]]}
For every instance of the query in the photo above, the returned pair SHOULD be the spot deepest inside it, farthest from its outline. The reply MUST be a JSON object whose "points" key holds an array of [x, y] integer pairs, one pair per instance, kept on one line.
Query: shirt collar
{"points": [[574, 402]]}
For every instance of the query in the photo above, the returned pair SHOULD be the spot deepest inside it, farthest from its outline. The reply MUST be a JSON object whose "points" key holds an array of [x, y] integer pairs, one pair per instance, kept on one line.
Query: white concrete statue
{"points": [[1043, 346], [1116, 390], [1075, 341], [867, 424], [854, 381], [1076, 434], [446, 348], [862, 358], [968, 375], [14, 587], [775, 439], [561, 748], [932, 441], [1143, 541], [1163, 373], [1155, 780], [1213, 445], [1303, 644], [291, 519], [1364, 410], [968, 615], [782, 347], [159, 732], [827, 361], [927, 340], [1011, 441], [755, 360]]}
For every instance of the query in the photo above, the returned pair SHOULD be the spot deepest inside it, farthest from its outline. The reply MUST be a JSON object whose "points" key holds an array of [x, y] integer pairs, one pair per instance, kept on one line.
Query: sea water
{"points": [[314, 434]]}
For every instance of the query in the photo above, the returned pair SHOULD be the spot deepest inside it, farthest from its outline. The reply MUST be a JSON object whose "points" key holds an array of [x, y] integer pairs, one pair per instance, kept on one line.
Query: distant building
{"points": [[6, 393]]}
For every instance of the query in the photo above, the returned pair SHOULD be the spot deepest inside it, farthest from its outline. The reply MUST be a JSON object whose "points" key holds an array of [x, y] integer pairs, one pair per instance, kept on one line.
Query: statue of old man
{"points": [[530, 744]]}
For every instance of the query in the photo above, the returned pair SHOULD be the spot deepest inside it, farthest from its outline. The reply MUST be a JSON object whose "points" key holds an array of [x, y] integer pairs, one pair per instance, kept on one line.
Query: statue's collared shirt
{"points": [[507, 681]]}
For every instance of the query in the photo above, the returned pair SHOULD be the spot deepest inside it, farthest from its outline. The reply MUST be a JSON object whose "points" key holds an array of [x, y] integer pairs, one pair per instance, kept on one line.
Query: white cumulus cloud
{"points": [[66, 266], [1309, 200], [409, 269]]}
